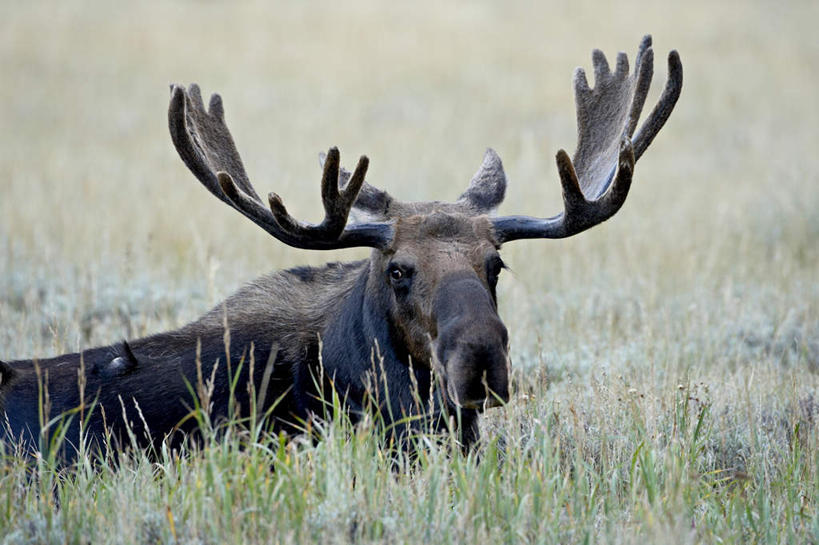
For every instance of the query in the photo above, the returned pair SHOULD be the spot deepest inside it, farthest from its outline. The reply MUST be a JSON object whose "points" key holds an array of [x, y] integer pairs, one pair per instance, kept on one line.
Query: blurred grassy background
{"points": [[104, 233], [705, 282]]}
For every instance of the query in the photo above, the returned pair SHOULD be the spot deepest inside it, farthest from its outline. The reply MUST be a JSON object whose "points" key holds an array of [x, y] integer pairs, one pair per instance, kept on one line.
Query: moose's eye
{"points": [[493, 269], [399, 275]]}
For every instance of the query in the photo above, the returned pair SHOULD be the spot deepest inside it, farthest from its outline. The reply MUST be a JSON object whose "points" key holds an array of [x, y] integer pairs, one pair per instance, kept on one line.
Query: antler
{"points": [[204, 143], [596, 181]]}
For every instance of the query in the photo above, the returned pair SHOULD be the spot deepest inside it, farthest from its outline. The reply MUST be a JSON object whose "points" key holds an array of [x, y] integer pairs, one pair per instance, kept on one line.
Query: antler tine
{"points": [[205, 145], [661, 112], [337, 202], [372, 201], [597, 180], [644, 64]]}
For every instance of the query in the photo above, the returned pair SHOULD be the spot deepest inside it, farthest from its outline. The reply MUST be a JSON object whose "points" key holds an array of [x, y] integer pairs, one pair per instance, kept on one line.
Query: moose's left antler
{"points": [[596, 181]]}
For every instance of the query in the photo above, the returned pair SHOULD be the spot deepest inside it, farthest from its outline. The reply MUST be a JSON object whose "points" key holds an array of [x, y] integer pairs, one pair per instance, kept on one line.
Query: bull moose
{"points": [[420, 315]]}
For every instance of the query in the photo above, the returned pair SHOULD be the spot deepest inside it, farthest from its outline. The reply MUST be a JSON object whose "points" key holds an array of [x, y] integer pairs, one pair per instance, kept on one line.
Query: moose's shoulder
{"points": [[289, 293], [329, 272]]}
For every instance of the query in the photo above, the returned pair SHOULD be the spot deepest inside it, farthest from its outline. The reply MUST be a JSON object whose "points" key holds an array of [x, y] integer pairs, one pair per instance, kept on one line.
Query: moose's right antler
{"points": [[596, 181], [204, 143]]}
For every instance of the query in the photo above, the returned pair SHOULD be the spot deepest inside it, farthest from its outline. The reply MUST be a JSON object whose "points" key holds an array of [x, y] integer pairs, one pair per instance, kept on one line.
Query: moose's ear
{"points": [[6, 373], [488, 185], [373, 204]]}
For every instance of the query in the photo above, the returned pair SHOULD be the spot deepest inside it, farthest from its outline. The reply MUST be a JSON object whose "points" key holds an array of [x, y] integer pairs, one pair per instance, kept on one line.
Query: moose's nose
{"points": [[472, 344], [477, 373]]}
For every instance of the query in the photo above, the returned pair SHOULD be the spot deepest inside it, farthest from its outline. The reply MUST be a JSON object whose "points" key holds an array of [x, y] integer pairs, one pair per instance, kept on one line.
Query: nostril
{"points": [[488, 357]]}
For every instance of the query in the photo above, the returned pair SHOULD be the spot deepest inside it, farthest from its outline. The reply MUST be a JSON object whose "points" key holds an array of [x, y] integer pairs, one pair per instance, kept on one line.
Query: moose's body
{"points": [[294, 315], [285, 312], [412, 332]]}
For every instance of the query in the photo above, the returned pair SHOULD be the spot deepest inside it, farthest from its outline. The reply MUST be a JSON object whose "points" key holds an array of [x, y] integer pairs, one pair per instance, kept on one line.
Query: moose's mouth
{"points": [[491, 400], [482, 404]]}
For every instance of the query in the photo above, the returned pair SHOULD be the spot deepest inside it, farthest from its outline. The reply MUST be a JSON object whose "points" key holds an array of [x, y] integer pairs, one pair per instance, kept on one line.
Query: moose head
{"points": [[435, 265]]}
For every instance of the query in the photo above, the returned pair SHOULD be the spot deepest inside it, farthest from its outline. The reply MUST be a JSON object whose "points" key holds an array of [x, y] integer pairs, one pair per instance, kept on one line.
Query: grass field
{"points": [[666, 363]]}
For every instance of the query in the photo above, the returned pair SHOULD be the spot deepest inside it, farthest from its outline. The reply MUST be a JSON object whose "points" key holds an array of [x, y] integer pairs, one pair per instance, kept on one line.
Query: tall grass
{"points": [[543, 474], [665, 363]]}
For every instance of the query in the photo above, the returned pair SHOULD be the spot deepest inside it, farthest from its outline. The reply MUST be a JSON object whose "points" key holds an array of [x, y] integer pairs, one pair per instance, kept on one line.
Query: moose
{"points": [[420, 315]]}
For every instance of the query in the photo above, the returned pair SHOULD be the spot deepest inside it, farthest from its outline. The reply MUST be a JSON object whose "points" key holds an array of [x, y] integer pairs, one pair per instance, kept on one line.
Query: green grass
{"points": [[666, 363]]}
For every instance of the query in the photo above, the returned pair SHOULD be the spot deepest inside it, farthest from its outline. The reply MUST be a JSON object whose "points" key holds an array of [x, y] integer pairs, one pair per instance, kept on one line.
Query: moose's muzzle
{"points": [[472, 343]]}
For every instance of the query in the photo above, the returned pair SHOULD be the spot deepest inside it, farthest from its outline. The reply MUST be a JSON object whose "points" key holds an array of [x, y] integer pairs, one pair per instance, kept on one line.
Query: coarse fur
{"points": [[284, 311]]}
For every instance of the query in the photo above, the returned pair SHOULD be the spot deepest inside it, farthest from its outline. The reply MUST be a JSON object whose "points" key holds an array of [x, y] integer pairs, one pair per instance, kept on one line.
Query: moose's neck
{"points": [[364, 355]]}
